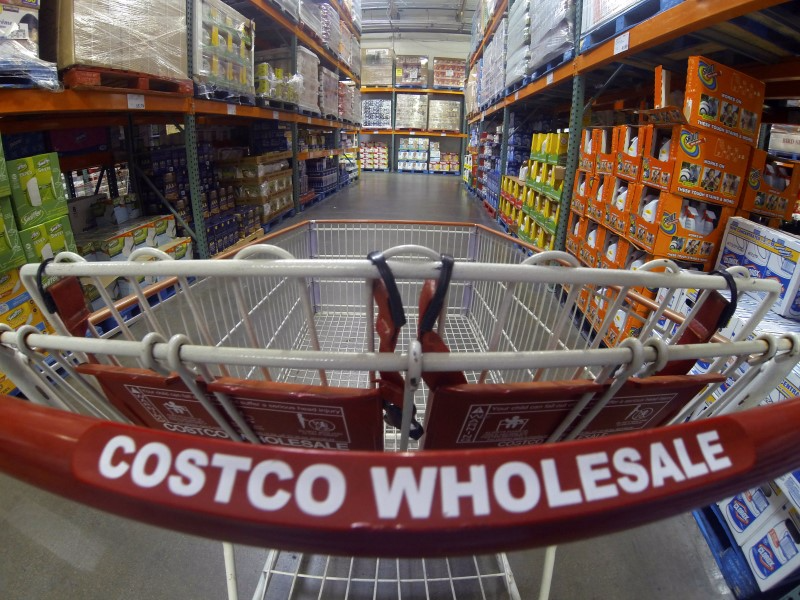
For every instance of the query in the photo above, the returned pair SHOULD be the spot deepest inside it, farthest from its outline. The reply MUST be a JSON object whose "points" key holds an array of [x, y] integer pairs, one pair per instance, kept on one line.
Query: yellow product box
{"points": [[674, 227], [24, 312], [772, 186], [723, 100], [6, 385], [10, 284]]}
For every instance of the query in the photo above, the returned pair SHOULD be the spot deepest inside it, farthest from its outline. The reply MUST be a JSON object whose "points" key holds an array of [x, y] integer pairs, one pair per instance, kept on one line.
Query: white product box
{"points": [[746, 511], [768, 254], [773, 550]]}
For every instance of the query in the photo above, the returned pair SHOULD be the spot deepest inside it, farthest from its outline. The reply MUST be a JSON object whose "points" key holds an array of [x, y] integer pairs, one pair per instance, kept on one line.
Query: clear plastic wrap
{"points": [[355, 54], [518, 42], [411, 70], [598, 12], [305, 81], [471, 91], [346, 102], [376, 66], [355, 12], [493, 69], [376, 114], [276, 84], [412, 111], [223, 50], [330, 31], [146, 37], [290, 6], [444, 115], [346, 44], [20, 67], [356, 106], [328, 93], [449, 72], [552, 31], [310, 17]]}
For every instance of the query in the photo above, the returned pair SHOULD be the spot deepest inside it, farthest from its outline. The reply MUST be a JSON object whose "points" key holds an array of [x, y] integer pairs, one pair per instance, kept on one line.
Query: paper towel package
{"points": [[746, 511], [48, 239], [773, 550], [768, 254]]}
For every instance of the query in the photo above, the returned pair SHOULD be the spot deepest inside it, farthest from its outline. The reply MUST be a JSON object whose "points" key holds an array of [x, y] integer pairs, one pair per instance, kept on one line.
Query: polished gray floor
{"points": [[55, 549]]}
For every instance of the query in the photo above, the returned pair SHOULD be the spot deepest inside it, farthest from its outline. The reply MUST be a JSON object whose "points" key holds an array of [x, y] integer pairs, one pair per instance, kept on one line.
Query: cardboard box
{"points": [[581, 191], [592, 245], [615, 251], [773, 549], [772, 186], [164, 230], [723, 100], [628, 163], [117, 243], [10, 285], [36, 189], [616, 209], [5, 184], [677, 228], [21, 24], [47, 240], [600, 189], [658, 161], [767, 254], [746, 511], [11, 251], [587, 160], [83, 212], [604, 143], [576, 233]]}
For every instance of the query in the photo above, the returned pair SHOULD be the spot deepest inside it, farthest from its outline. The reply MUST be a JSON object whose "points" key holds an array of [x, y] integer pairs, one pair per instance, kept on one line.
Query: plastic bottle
{"points": [[689, 218], [663, 153], [587, 147], [591, 238], [650, 209], [582, 188], [708, 221], [611, 251], [633, 147], [622, 196], [576, 229]]}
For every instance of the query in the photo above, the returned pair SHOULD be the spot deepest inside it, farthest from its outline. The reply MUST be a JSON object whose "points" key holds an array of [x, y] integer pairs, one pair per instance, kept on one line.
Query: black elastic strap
{"points": [[395, 302], [435, 306], [727, 313], [47, 297], [393, 415]]}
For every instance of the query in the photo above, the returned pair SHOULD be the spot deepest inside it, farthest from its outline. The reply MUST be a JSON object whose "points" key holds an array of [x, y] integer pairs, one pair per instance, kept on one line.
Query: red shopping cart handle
{"points": [[429, 503]]}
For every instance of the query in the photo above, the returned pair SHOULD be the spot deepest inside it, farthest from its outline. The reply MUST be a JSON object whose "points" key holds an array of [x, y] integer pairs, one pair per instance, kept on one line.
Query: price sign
{"points": [[275, 115], [376, 132], [135, 101], [231, 109], [308, 120], [443, 135], [412, 133], [549, 79], [516, 96], [622, 42]]}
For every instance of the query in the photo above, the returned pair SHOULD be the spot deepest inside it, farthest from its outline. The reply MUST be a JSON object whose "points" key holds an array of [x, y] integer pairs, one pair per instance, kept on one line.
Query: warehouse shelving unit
{"points": [[25, 110]]}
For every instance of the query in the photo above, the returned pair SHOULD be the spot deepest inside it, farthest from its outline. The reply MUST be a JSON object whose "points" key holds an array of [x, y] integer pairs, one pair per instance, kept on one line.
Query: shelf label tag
{"points": [[411, 133], [622, 42], [376, 132], [231, 109], [443, 135], [516, 96], [308, 120], [549, 79], [275, 115], [136, 101]]}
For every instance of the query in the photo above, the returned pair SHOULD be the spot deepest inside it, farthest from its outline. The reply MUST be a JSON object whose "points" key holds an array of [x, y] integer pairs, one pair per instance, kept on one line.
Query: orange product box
{"points": [[626, 322], [708, 166], [600, 188], [615, 215], [658, 161], [582, 191], [592, 245], [604, 144], [576, 233], [629, 152], [587, 160], [723, 100], [772, 186], [674, 227], [615, 250]]}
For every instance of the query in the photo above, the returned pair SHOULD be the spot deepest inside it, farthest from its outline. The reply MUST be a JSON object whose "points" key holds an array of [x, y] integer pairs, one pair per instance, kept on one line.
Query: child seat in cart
{"points": [[392, 390]]}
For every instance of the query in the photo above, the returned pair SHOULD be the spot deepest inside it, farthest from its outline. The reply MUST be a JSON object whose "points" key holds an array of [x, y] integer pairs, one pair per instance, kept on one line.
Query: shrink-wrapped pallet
{"points": [[376, 114], [444, 115], [449, 72], [411, 70], [412, 111], [328, 93], [376, 66], [552, 31]]}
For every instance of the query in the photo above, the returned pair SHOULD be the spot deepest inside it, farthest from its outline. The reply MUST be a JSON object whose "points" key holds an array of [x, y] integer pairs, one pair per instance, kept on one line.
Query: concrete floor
{"points": [[55, 549]]}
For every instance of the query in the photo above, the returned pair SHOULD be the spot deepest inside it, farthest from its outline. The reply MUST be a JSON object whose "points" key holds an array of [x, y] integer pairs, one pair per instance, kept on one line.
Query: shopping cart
{"points": [[323, 423]]}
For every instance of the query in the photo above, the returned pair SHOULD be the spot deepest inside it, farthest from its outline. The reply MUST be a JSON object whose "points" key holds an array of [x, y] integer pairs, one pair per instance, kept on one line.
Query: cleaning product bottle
{"points": [[591, 238], [633, 147], [663, 153], [599, 196], [611, 251], [689, 218], [576, 229], [622, 196], [582, 187], [587, 146], [650, 209], [708, 221]]}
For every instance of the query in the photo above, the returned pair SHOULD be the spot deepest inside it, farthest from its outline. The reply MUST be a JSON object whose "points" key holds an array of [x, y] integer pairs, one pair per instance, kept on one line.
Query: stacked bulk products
{"points": [[376, 113], [223, 53], [347, 102], [411, 71], [598, 12], [471, 92], [376, 67], [346, 44], [412, 111], [518, 49], [323, 175], [374, 156], [444, 115], [275, 87], [442, 162], [552, 33], [328, 93], [355, 53], [330, 27], [19, 48], [355, 13], [357, 117], [412, 156], [290, 6], [311, 17], [493, 68], [449, 73], [305, 80], [518, 150]]}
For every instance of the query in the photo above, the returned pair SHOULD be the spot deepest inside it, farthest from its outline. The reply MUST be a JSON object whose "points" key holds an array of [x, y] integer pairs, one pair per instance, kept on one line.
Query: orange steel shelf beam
{"points": [[308, 154], [496, 17], [405, 90], [21, 102], [685, 18]]}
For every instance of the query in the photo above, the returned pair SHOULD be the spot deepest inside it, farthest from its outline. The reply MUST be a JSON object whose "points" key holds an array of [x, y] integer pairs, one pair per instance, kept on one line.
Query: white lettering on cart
{"points": [[115, 471], [255, 485], [591, 475], [552, 486], [453, 489], [404, 485], [191, 478], [626, 461], [230, 466], [710, 447], [304, 490], [502, 488]]}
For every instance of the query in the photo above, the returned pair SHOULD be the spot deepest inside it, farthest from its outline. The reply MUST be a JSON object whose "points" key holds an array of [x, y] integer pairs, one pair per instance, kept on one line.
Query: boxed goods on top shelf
{"points": [[355, 13], [330, 32], [19, 29], [355, 56], [471, 91], [223, 51], [311, 17], [518, 50], [146, 37], [374, 156], [376, 66], [376, 114], [411, 71], [493, 66], [552, 32], [328, 93], [290, 6], [444, 115], [347, 102], [307, 71], [412, 111], [275, 84], [346, 44], [449, 72]]}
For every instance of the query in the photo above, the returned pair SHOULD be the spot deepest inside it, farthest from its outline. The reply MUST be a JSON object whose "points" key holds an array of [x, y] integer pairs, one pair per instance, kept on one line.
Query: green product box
{"points": [[48, 239], [11, 253], [5, 186], [36, 189]]}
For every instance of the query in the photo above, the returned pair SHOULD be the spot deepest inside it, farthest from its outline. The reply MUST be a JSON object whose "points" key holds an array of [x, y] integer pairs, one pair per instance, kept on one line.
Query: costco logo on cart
{"points": [[239, 479]]}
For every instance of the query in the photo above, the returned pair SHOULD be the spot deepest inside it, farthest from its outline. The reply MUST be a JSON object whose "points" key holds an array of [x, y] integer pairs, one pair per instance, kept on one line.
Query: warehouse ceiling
{"points": [[430, 16]]}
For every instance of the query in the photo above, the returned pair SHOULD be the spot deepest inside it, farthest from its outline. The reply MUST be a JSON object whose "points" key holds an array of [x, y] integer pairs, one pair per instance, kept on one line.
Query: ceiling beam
{"points": [[460, 13], [393, 13]]}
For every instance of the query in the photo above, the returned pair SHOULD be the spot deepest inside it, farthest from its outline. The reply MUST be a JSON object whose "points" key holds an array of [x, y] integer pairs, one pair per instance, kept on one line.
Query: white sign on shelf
{"points": [[135, 101], [412, 133], [549, 79], [276, 115], [516, 96], [444, 135], [231, 109], [376, 132], [622, 42], [308, 120]]}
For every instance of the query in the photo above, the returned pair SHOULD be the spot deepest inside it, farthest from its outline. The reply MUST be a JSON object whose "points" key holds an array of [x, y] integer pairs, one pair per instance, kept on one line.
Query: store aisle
{"points": [[54, 549]]}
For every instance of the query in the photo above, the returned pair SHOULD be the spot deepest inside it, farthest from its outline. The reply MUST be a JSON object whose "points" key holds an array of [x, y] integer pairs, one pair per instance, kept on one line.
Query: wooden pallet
{"points": [[101, 78]]}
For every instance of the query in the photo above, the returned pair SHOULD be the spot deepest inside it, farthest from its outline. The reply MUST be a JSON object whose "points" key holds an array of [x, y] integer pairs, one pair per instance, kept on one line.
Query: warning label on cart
{"points": [[501, 424], [173, 409]]}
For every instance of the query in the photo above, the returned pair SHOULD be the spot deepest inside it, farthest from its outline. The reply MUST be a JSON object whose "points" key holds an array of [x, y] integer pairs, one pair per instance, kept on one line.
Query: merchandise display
{"points": [[518, 50], [223, 51], [449, 73], [411, 111], [311, 17], [376, 114], [599, 12], [355, 56], [374, 156], [275, 84], [442, 162], [328, 93], [493, 66], [330, 28], [411, 71], [346, 44], [471, 100], [444, 115], [376, 66], [308, 70], [552, 32], [413, 155]]}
